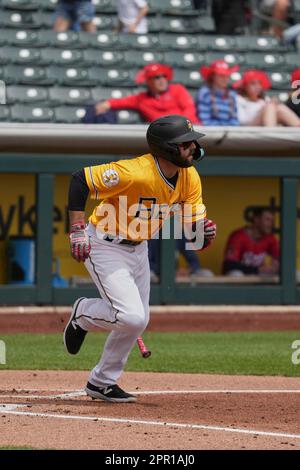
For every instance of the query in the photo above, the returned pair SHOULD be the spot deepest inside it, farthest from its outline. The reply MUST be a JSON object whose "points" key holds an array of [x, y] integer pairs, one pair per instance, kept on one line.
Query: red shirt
{"points": [[248, 251], [175, 100]]}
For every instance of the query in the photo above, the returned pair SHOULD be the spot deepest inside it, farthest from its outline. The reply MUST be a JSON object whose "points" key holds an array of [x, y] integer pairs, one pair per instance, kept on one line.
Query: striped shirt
{"points": [[217, 109]]}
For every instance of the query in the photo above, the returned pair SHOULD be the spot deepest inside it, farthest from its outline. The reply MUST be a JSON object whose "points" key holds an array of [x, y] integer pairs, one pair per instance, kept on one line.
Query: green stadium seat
{"points": [[61, 56], [259, 44], [141, 58], [105, 93], [111, 77], [29, 5], [125, 116], [25, 94], [14, 74], [281, 95], [169, 24], [16, 55], [105, 22], [188, 78], [26, 113], [105, 6], [102, 57], [235, 58], [292, 60], [266, 61], [101, 39], [141, 41], [205, 24], [72, 96], [67, 40], [280, 80], [47, 5], [19, 37], [69, 114], [217, 43], [178, 42], [43, 19], [70, 76], [188, 60], [17, 19], [173, 7], [4, 113]]}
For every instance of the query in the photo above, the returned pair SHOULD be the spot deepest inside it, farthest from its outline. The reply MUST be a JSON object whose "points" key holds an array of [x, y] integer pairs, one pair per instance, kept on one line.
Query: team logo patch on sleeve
{"points": [[110, 178]]}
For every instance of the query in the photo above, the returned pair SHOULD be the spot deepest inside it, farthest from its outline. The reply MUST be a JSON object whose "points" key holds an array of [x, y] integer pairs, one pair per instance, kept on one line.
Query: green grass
{"points": [[220, 353], [17, 448]]}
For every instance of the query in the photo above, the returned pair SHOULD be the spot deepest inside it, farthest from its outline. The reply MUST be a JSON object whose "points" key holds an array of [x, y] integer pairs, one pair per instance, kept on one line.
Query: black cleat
{"points": [[111, 393], [73, 334]]}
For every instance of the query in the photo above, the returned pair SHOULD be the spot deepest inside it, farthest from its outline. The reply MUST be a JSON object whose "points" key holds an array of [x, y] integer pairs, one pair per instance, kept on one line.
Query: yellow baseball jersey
{"points": [[136, 198]]}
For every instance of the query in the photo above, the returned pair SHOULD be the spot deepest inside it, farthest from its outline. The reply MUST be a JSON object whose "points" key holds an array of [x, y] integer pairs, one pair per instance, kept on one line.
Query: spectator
{"points": [[216, 103], [279, 11], [229, 17], [160, 99], [254, 109], [249, 248], [293, 101], [132, 16], [73, 14]]}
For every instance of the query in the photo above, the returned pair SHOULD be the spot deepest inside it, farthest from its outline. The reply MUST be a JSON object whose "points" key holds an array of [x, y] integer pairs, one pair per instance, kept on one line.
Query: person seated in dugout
{"points": [[257, 109], [253, 249], [161, 97], [216, 102]]}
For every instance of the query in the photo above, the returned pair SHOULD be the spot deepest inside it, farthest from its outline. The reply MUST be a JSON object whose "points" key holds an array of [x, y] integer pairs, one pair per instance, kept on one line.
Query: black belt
{"points": [[122, 242]]}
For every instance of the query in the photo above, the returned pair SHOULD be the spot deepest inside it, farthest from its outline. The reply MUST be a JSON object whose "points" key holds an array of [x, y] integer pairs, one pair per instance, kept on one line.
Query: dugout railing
{"points": [[46, 165]]}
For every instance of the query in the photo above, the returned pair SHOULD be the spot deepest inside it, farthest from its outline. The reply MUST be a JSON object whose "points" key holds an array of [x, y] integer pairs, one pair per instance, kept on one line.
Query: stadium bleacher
{"points": [[51, 77]]}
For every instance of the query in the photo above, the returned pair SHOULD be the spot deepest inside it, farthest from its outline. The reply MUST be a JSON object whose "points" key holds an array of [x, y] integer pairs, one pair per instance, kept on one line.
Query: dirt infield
{"points": [[171, 318], [174, 411]]}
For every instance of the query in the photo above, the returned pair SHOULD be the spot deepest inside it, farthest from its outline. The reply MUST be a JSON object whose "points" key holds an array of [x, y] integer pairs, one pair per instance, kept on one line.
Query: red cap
{"points": [[218, 67], [151, 70], [253, 74], [295, 75]]}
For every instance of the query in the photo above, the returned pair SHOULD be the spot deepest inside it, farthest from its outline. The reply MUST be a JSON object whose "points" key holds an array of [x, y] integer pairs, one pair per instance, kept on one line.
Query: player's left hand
{"points": [[79, 242]]}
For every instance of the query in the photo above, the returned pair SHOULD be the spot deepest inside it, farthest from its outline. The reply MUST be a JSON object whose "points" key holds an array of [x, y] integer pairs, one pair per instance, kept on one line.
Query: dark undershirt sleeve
{"points": [[78, 192]]}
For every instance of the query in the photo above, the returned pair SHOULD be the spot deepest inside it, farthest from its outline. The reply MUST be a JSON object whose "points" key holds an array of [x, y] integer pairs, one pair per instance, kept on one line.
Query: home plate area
{"points": [[176, 412]]}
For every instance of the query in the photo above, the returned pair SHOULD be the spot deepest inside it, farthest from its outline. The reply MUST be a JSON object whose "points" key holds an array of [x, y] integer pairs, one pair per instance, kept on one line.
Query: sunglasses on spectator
{"points": [[156, 77]]}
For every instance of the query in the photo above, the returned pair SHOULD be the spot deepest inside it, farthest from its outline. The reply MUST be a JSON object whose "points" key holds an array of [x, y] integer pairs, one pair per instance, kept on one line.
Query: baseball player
{"points": [[136, 196]]}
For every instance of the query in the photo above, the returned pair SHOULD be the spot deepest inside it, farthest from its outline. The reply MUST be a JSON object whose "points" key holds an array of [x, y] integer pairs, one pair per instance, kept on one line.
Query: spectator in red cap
{"points": [[293, 101], [161, 98], [216, 102], [255, 109]]}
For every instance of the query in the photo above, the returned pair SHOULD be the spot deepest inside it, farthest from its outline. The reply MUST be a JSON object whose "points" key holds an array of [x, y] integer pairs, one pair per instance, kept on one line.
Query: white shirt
{"points": [[128, 11], [248, 110]]}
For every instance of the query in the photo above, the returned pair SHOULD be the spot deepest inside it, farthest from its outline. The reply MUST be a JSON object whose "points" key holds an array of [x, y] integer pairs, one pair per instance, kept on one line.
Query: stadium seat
{"points": [[69, 39], [72, 96], [71, 76], [29, 5], [47, 5], [27, 75], [280, 80], [141, 58], [61, 56], [69, 114], [216, 43], [103, 57], [107, 40], [178, 42], [111, 77], [43, 19], [188, 78], [128, 117], [19, 37], [169, 24], [26, 113], [205, 24], [105, 22], [292, 60], [15, 55], [4, 113], [230, 58], [173, 7], [281, 95], [17, 19], [150, 42], [259, 43], [105, 93], [188, 60], [25, 94], [266, 61], [105, 6]]}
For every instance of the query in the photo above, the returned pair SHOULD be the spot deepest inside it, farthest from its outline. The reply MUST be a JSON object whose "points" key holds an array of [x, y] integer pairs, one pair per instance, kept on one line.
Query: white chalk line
{"points": [[78, 393], [151, 423]]}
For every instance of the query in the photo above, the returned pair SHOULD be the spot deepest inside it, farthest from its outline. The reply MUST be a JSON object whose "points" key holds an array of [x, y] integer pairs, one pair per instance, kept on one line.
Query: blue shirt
{"points": [[216, 109]]}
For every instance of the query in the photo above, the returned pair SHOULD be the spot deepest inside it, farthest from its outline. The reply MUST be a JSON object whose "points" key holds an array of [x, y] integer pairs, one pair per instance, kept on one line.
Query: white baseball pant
{"points": [[122, 276]]}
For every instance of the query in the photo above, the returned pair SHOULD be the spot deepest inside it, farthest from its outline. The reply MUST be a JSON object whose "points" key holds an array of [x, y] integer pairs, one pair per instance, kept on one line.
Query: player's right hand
{"points": [[102, 107], [79, 242]]}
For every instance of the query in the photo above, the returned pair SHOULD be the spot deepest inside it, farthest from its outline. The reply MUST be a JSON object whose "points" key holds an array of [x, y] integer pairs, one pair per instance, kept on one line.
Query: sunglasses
{"points": [[156, 77]]}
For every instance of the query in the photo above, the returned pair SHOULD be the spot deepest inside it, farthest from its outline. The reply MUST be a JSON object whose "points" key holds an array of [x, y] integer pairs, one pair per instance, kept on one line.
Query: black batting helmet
{"points": [[164, 135]]}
